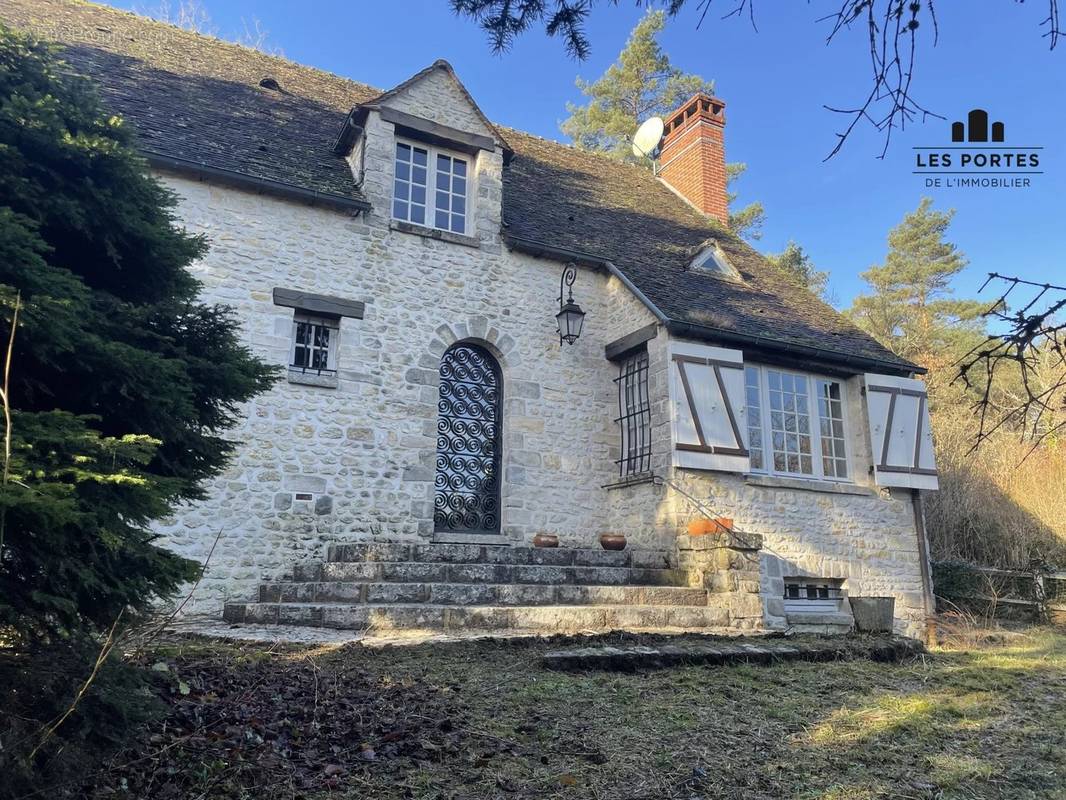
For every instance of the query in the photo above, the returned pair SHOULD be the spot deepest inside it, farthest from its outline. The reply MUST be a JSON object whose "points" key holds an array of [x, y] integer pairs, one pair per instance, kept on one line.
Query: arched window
{"points": [[469, 437]]}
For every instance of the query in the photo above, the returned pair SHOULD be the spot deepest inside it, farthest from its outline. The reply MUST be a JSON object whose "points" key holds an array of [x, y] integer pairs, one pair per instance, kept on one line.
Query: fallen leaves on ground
{"points": [[285, 725]]}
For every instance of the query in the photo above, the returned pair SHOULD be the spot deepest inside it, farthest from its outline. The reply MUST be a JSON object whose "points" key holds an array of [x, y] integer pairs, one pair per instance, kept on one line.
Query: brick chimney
{"points": [[692, 154]]}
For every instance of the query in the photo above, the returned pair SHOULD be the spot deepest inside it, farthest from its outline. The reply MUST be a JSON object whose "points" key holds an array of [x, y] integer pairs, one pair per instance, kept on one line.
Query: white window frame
{"points": [[333, 325], [812, 379], [722, 266], [430, 220]]}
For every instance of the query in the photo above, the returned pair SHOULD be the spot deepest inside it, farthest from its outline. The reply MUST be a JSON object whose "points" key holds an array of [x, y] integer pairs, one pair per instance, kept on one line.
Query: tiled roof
{"points": [[197, 99]]}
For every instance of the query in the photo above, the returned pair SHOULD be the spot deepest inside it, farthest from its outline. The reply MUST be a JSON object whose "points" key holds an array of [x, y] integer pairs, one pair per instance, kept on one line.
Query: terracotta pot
{"points": [[701, 527], [613, 541], [705, 527], [545, 540]]}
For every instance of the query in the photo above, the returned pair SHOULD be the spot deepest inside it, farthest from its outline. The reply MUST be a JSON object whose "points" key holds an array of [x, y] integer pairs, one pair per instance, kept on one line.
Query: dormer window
{"points": [[713, 260], [430, 187]]}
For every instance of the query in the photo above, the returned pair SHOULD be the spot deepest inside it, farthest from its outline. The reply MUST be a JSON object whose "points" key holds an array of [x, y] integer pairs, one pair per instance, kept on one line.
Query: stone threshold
{"points": [[487, 539], [725, 652]]}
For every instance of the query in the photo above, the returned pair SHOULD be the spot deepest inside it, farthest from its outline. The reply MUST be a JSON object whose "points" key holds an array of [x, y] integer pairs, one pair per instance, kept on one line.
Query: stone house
{"points": [[403, 260]]}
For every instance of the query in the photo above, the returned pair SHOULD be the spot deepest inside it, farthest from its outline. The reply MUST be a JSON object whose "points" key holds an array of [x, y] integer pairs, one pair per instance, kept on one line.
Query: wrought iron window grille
{"points": [[800, 591], [634, 415], [314, 347]]}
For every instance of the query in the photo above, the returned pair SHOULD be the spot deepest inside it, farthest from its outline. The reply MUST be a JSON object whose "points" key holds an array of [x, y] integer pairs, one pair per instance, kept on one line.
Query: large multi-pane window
{"points": [[795, 424], [430, 188]]}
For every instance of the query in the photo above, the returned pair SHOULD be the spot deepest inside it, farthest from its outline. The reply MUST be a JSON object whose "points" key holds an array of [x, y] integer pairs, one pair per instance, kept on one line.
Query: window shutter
{"points": [[900, 433], [707, 408]]}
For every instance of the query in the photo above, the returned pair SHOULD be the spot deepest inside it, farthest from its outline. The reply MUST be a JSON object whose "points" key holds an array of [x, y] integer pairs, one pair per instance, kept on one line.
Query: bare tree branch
{"points": [[1030, 355], [889, 28]]}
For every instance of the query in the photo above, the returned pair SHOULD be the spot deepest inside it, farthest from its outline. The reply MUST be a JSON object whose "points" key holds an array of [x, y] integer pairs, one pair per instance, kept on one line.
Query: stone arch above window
{"points": [[477, 330]]}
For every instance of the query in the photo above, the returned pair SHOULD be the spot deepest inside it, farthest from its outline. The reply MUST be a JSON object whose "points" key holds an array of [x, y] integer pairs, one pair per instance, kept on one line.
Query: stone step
{"points": [[426, 616], [500, 554], [469, 594], [826, 624], [717, 652], [434, 572]]}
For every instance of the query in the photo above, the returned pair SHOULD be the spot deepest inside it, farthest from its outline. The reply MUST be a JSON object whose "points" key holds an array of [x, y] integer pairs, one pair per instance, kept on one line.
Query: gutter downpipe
{"points": [[928, 598]]}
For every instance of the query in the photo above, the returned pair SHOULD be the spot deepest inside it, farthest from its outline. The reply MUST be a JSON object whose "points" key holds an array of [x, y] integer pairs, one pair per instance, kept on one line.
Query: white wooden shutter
{"points": [[900, 434], [707, 408]]}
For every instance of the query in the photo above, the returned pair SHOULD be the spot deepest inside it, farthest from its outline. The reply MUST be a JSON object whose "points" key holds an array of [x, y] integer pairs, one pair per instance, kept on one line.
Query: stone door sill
{"points": [[471, 538]]}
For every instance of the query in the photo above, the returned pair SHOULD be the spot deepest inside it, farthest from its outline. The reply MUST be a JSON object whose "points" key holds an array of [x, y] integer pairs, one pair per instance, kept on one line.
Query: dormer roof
{"points": [[405, 112], [442, 67]]}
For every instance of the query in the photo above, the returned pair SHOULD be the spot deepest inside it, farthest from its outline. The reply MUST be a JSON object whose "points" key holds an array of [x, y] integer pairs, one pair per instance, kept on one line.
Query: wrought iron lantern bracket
{"points": [[571, 317]]}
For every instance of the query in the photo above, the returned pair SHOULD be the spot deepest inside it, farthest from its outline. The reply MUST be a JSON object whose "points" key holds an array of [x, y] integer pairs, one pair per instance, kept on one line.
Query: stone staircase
{"points": [[459, 587]]}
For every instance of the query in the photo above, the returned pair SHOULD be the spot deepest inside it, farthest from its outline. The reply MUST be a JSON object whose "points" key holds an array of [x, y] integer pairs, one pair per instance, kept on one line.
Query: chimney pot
{"points": [[692, 154]]}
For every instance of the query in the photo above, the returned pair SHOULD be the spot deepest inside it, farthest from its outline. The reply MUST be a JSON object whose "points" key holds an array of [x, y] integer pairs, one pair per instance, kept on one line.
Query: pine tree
{"points": [[643, 83], [121, 382], [797, 263], [911, 309]]}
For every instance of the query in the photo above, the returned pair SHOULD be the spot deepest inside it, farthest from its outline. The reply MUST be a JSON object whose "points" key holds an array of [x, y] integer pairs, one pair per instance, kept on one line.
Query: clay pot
{"points": [[613, 541], [705, 527], [545, 540], [701, 527]]}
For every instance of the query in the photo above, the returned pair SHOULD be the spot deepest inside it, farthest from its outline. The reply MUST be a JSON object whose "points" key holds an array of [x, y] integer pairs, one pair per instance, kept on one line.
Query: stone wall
{"points": [[365, 450]]}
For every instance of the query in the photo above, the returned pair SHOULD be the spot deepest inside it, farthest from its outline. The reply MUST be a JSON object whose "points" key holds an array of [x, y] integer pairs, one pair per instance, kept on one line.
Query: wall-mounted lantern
{"points": [[570, 317]]}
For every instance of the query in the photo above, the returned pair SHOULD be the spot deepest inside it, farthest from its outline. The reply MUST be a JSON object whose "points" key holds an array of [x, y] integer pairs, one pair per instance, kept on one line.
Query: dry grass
{"points": [[981, 718], [1002, 506]]}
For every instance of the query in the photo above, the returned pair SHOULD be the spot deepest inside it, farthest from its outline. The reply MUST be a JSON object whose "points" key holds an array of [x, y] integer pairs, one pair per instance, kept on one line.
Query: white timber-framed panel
{"points": [[707, 407], [901, 435]]}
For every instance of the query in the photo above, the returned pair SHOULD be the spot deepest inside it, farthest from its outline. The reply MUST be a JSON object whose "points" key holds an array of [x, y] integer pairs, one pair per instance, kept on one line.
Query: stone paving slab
{"points": [[216, 628], [724, 652]]}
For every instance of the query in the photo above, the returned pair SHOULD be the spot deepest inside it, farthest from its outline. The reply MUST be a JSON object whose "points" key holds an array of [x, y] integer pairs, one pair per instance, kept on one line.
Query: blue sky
{"points": [[775, 82]]}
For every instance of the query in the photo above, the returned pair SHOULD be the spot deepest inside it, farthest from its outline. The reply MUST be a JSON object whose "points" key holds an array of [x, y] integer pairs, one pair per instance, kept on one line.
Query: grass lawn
{"points": [[483, 720]]}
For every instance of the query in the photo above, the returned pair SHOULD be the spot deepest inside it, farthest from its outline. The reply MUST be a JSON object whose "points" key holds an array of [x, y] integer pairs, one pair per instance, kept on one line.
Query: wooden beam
{"points": [[319, 303], [619, 347], [435, 133]]}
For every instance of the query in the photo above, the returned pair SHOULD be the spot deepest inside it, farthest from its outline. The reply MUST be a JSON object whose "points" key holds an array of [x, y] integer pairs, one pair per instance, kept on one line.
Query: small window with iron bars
{"points": [[813, 594], [314, 345], [634, 415]]}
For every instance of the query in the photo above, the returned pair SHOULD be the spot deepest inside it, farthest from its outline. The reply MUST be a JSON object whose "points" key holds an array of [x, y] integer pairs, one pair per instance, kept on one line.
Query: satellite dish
{"points": [[647, 137]]}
